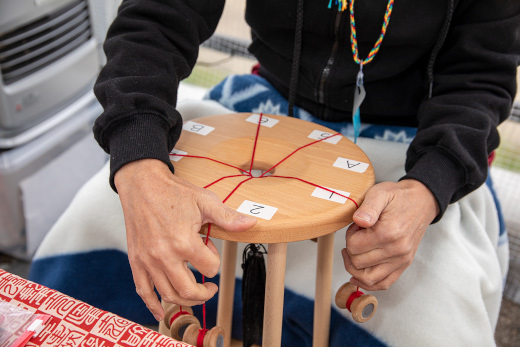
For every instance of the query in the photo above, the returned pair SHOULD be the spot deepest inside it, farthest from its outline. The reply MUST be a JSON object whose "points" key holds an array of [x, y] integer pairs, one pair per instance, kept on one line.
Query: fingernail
{"points": [[243, 218], [157, 317], [364, 216]]}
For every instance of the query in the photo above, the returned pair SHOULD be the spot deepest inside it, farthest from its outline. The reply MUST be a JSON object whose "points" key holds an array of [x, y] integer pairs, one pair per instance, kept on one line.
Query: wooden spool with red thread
{"points": [[212, 338], [363, 307], [177, 319]]}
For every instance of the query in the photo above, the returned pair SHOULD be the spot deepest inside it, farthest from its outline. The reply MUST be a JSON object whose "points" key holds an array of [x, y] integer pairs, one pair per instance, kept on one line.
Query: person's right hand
{"points": [[163, 217]]}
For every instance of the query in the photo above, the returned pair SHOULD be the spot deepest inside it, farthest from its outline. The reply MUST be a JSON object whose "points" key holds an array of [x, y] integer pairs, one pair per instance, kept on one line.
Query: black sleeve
{"points": [[475, 84], [150, 47]]}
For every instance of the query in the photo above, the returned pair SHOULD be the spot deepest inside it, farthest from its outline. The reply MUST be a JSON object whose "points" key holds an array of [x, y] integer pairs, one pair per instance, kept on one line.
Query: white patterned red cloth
{"points": [[74, 323]]}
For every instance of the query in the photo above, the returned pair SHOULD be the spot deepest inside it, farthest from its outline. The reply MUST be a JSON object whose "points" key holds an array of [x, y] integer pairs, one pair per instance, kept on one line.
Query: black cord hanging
{"points": [[253, 293]]}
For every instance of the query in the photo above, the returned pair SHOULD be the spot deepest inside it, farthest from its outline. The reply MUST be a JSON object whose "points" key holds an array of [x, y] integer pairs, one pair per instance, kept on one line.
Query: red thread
{"points": [[353, 297], [217, 161], [297, 149], [220, 179], [318, 186], [178, 314], [200, 338], [256, 139]]}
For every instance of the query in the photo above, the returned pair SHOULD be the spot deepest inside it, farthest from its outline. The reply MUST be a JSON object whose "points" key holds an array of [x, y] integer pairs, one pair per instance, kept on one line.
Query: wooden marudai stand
{"points": [[288, 204]]}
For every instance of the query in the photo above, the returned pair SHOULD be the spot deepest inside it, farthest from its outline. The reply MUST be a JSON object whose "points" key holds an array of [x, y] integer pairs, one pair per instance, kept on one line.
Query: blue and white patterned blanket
{"points": [[450, 295]]}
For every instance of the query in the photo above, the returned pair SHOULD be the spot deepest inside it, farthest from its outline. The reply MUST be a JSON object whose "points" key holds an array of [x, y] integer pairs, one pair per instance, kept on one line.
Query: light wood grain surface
{"points": [[299, 215]]}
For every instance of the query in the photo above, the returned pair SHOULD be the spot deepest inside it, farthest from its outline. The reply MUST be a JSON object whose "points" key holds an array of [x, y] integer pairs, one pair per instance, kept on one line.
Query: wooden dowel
{"points": [[323, 291], [227, 288], [274, 294]]}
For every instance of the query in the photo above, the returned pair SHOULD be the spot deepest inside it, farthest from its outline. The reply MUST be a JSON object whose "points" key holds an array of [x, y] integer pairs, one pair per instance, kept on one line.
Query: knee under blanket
{"points": [[450, 295]]}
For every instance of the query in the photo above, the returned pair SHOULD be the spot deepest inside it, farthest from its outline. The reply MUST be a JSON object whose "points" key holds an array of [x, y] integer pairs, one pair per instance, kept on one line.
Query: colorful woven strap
{"points": [[353, 38]]}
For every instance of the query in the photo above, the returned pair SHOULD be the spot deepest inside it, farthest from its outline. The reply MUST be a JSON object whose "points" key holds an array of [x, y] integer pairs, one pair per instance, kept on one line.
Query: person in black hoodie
{"points": [[445, 67]]}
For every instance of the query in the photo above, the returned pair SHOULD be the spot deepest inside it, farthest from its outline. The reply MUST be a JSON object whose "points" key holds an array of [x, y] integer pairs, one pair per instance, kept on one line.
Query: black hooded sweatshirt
{"points": [[447, 67]]}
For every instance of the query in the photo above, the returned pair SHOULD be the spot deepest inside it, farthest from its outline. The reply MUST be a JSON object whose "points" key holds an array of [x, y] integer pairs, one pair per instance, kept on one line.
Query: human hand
{"points": [[163, 217], [387, 230]]}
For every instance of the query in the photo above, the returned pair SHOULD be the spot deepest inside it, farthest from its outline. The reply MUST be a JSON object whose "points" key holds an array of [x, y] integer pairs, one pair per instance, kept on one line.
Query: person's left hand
{"points": [[387, 230]]}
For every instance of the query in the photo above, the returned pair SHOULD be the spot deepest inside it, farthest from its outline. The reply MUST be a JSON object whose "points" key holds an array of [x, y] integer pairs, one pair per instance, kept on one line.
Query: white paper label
{"points": [[266, 121], [352, 165], [174, 157], [257, 210], [197, 128], [319, 135], [325, 194]]}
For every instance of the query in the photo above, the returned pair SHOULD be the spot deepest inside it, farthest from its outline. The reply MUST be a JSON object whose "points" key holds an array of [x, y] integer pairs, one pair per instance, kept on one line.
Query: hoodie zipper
{"points": [[330, 62]]}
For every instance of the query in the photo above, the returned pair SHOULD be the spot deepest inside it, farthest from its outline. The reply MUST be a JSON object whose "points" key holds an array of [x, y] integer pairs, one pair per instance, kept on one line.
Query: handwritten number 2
{"points": [[257, 207]]}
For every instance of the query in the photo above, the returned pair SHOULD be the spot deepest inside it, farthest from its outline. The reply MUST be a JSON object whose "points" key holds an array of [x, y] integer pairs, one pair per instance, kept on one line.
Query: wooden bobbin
{"points": [[181, 322], [213, 338], [362, 308]]}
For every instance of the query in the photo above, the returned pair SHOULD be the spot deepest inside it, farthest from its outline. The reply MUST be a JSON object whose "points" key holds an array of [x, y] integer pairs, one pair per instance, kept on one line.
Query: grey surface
{"points": [[22, 229]]}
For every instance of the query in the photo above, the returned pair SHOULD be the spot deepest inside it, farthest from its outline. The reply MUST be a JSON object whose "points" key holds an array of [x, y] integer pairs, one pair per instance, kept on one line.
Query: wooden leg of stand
{"points": [[227, 288], [274, 287], [323, 291]]}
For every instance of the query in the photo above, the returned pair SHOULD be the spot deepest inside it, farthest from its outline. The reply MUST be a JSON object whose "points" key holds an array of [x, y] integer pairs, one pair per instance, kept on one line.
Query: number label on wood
{"points": [[320, 135], [174, 156], [351, 165], [331, 196], [266, 121], [257, 210], [197, 128]]}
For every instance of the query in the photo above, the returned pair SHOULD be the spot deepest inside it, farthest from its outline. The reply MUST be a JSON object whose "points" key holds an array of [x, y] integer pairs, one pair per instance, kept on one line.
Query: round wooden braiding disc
{"points": [[299, 216], [213, 338]]}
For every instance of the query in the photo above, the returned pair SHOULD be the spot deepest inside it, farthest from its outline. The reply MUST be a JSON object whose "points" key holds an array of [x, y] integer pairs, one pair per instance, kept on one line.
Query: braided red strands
{"points": [[178, 314], [377, 45], [200, 337], [353, 297]]}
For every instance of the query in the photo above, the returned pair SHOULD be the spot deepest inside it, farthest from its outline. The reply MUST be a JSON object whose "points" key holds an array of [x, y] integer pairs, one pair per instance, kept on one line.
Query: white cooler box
{"points": [[39, 179]]}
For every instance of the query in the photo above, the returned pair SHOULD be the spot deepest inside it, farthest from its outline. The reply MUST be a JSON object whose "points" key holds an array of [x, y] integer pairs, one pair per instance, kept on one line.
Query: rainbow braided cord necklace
{"points": [[360, 93]]}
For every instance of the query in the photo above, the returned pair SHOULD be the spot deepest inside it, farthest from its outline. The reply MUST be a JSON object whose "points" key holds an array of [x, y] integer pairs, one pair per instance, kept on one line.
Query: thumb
{"points": [[375, 202], [229, 219]]}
